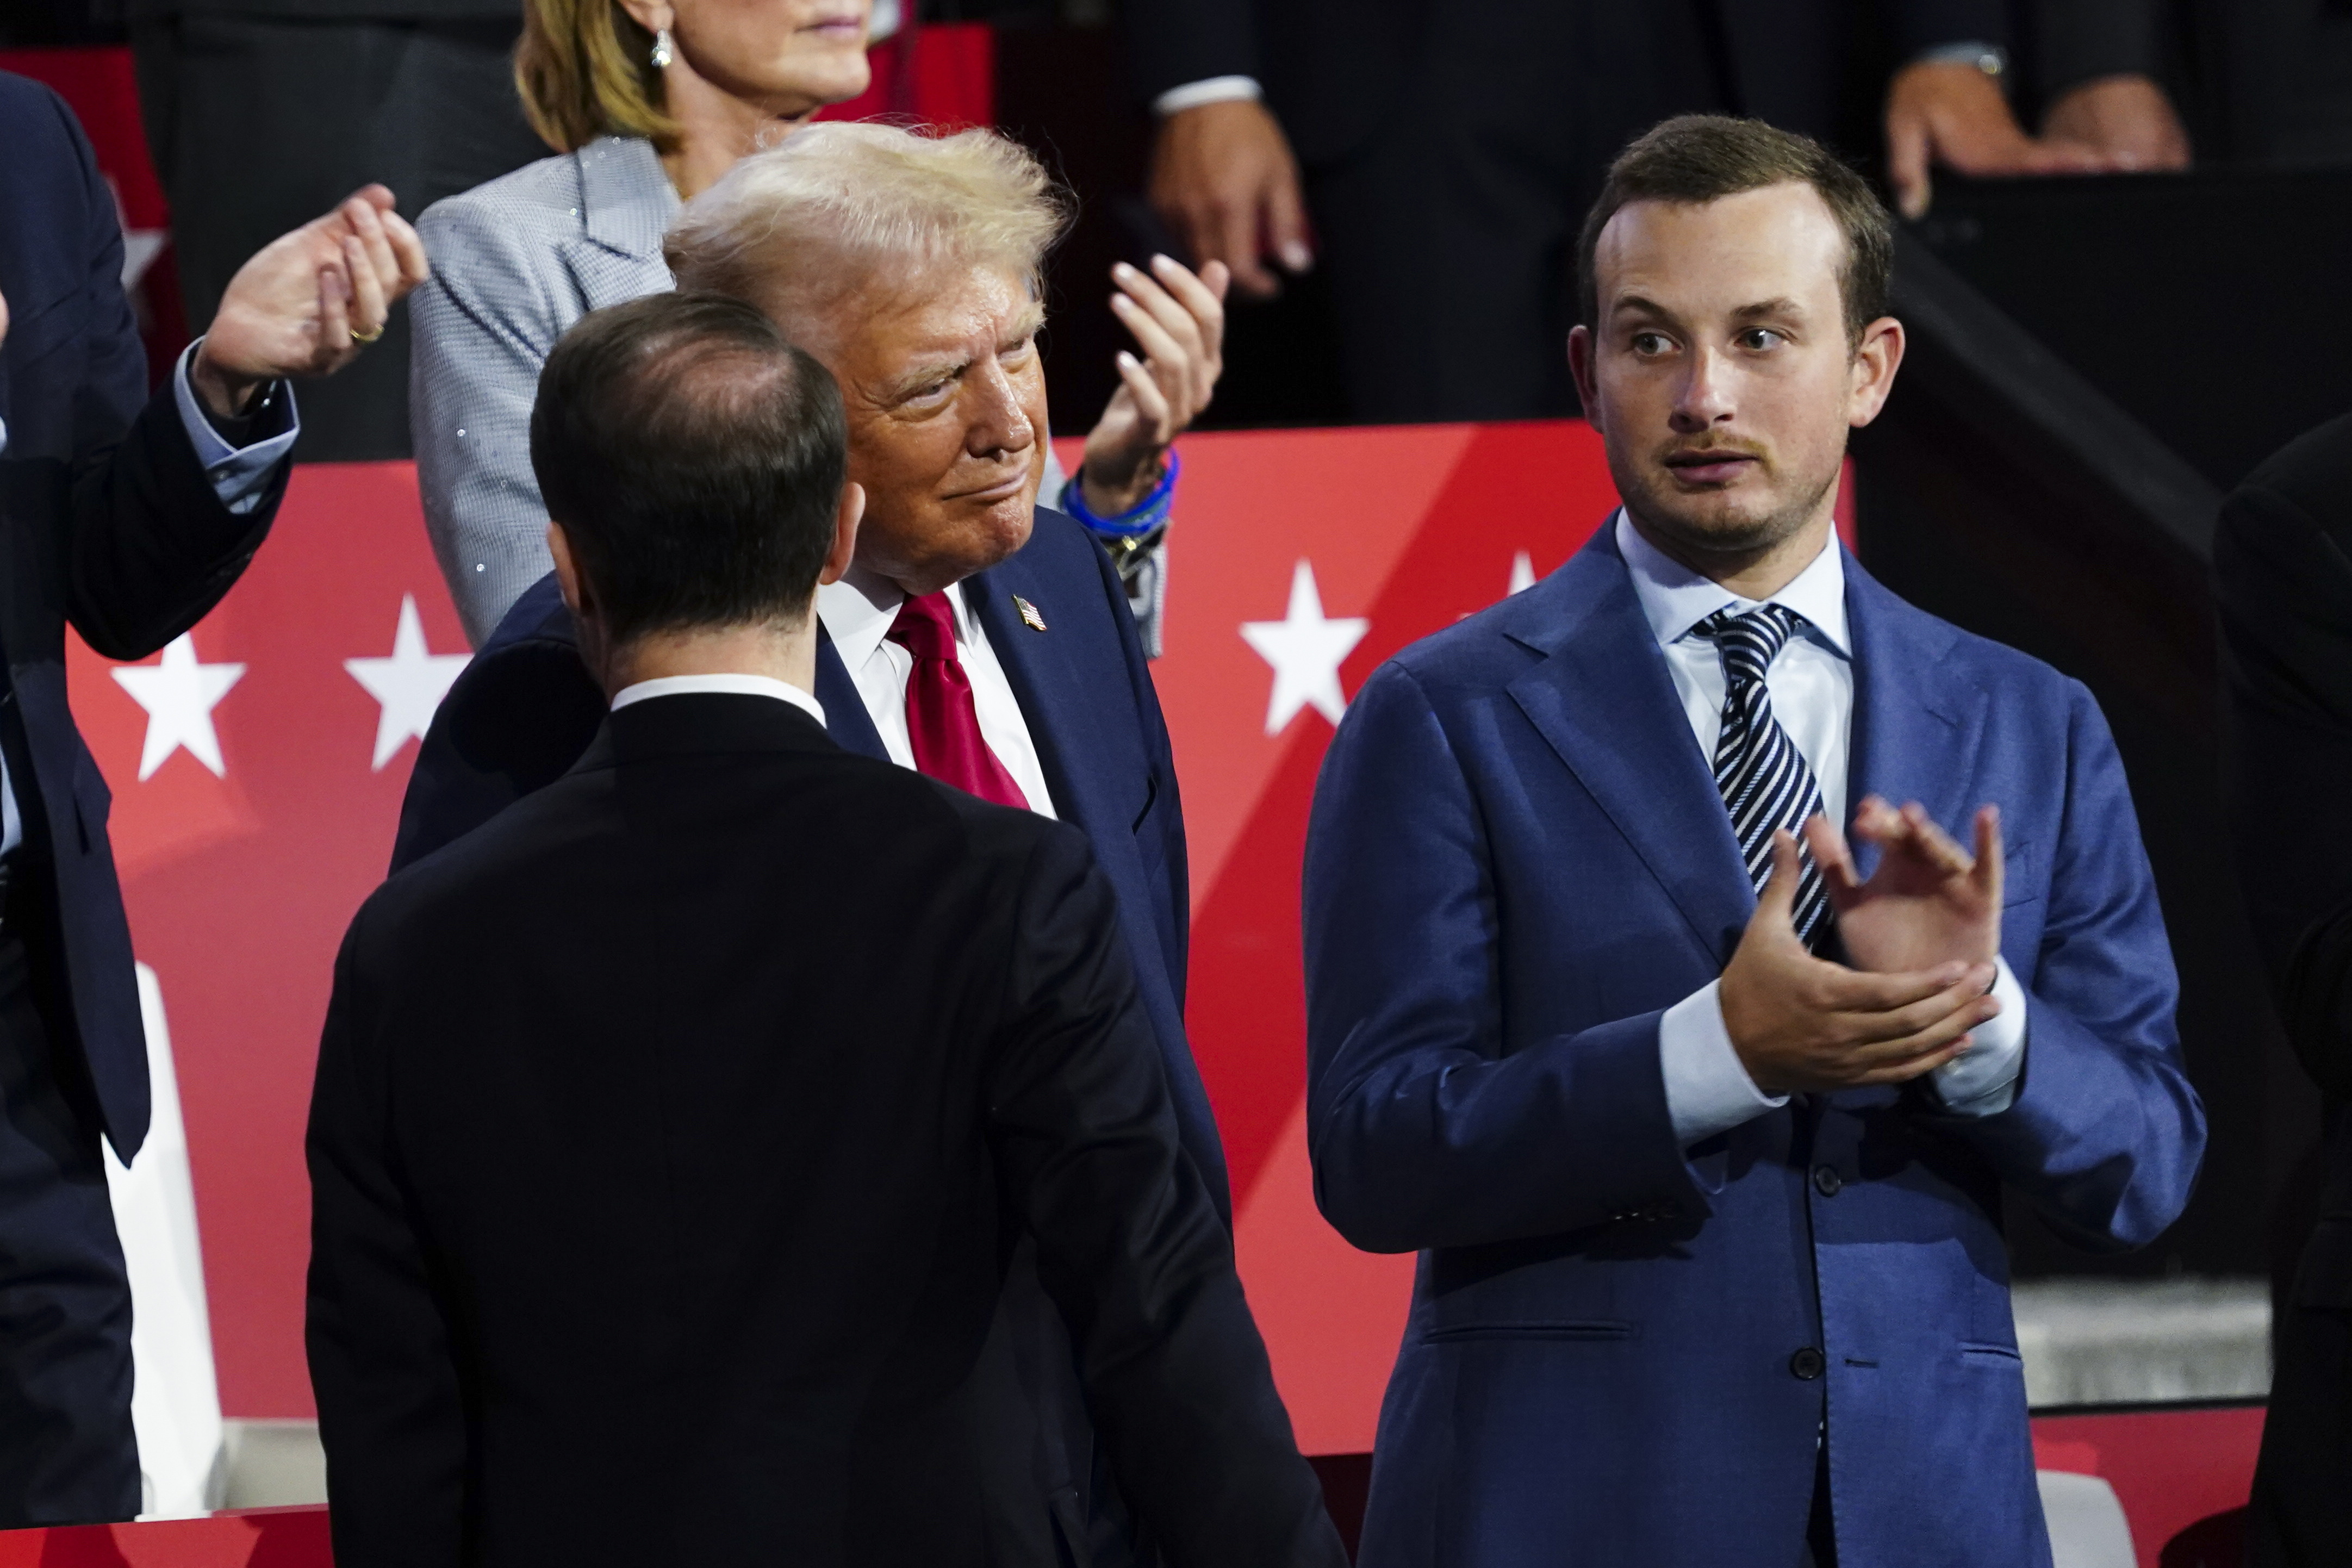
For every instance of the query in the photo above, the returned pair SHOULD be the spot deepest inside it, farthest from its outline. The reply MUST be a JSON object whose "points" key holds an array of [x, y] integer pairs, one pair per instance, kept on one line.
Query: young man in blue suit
{"points": [[1702, 1136], [977, 638]]}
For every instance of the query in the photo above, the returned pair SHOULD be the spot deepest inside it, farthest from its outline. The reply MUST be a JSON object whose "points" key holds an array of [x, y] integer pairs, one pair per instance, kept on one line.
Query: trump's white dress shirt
{"points": [[858, 613], [1812, 685]]}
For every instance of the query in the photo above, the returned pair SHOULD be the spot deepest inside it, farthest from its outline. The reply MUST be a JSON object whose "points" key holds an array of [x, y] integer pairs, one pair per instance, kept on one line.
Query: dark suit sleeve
{"points": [[1917, 26], [2104, 1135], [2285, 585], [1423, 1132], [1171, 42], [2083, 40], [1160, 834], [1131, 1247], [391, 1413], [515, 721], [151, 548]]}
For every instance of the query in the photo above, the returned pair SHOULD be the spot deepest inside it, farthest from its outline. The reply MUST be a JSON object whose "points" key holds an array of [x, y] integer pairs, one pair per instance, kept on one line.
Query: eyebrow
{"points": [[1761, 310], [1026, 325]]}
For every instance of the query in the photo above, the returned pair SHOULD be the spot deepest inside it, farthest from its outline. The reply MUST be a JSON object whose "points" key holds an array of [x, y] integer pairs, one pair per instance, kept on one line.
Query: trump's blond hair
{"points": [[840, 207]]}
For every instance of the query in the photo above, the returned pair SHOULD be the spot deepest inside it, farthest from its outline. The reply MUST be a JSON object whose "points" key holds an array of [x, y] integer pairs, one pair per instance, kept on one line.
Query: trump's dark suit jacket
{"points": [[107, 523], [671, 1138]]}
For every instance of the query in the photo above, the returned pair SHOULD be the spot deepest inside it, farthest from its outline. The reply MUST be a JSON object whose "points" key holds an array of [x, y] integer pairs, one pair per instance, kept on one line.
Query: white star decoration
{"points": [[179, 695], [1523, 573], [409, 685], [1305, 649]]}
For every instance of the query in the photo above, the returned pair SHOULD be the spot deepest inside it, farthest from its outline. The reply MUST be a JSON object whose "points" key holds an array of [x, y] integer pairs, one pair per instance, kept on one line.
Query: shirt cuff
{"points": [[1983, 1080], [1214, 89], [239, 475], [1707, 1089]]}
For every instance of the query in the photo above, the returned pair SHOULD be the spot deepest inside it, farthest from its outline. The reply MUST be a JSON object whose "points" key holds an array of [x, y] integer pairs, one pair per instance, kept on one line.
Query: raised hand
{"points": [[1179, 321], [307, 303], [1800, 1024], [1928, 902]]}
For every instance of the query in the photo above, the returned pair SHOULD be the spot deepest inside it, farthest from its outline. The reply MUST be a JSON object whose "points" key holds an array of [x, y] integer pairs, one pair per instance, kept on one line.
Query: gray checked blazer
{"points": [[515, 262]]}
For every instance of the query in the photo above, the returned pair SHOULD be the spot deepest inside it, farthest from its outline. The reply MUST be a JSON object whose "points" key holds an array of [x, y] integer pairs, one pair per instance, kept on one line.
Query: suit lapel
{"points": [[1917, 729], [845, 718], [1039, 667], [1603, 700]]}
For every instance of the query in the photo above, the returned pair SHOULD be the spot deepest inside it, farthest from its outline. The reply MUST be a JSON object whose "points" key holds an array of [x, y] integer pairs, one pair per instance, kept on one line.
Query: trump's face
{"points": [[945, 394], [1720, 371]]}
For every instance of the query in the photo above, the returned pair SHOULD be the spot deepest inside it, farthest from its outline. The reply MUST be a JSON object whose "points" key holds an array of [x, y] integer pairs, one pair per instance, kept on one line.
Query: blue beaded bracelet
{"points": [[1148, 514]]}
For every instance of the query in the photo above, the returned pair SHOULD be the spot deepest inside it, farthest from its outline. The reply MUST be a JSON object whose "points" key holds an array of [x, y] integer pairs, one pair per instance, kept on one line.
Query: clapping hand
{"points": [[1802, 1025], [1930, 901], [1179, 321], [307, 303]]}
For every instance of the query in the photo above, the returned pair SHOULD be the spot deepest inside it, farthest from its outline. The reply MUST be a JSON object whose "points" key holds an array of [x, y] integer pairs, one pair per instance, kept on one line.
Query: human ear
{"points": [[567, 569], [1579, 365], [1875, 360], [653, 15], [851, 513]]}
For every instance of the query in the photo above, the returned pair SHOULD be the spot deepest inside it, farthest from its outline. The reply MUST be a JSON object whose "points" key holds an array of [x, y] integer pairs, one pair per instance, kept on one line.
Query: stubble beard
{"points": [[1722, 539]]}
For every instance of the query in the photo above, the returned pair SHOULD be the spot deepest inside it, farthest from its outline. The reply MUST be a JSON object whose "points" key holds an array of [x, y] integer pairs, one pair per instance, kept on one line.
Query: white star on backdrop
{"points": [[1523, 573], [179, 695], [1306, 649], [409, 685]]}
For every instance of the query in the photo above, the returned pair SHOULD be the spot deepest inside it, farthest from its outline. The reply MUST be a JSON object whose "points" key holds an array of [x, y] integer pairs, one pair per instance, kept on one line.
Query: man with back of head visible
{"points": [[977, 638], [1703, 1133], [672, 1132]]}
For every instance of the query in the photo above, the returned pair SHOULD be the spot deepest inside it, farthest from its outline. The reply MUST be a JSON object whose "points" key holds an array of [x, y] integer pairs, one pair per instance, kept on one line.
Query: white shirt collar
{"points": [[732, 685], [1675, 598], [859, 610]]}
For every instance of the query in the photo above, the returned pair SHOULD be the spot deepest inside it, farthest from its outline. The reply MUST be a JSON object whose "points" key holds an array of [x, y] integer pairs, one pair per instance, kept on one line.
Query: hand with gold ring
{"points": [[308, 302]]}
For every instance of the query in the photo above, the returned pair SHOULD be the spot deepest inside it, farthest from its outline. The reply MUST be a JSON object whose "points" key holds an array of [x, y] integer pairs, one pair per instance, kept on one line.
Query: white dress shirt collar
{"points": [[1675, 598], [731, 685], [859, 611]]}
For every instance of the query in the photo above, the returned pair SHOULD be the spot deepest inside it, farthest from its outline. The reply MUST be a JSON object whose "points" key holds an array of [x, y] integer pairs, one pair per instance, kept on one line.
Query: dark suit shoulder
{"points": [[2313, 474], [29, 108], [857, 799]]}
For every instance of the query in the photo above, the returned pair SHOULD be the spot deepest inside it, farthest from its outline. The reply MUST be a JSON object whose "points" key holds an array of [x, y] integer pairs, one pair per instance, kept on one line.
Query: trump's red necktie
{"points": [[941, 722]]}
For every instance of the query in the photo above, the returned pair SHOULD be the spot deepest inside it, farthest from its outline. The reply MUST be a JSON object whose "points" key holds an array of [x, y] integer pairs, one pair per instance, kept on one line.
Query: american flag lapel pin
{"points": [[1029, 615]]}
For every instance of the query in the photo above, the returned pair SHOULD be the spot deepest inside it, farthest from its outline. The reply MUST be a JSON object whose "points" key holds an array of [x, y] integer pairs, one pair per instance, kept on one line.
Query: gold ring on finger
{"points": [[360, 337]]}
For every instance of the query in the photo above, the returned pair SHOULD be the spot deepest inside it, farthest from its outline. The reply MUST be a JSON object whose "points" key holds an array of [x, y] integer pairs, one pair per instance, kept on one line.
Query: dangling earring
{"points": [[662, 53]]}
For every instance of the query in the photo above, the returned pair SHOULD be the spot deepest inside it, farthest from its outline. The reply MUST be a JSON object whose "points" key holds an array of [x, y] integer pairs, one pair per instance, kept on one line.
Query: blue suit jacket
{"points": [[1517, 862], [107, 523], [525, 710]]}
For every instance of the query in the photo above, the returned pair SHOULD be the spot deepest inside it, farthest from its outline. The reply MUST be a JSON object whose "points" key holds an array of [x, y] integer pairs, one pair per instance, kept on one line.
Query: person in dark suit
{"points": [[2284, 586], [978, 637], [673, 1132], [125, 517], [1444, 153], [259, 111], [1703, 1138]]}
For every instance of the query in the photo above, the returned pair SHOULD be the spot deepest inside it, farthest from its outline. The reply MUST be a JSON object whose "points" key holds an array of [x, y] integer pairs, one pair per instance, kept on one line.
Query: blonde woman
{"points": [[648, 102]]}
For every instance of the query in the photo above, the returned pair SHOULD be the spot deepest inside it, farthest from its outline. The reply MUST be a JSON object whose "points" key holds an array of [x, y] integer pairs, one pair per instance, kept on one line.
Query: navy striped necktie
{"points": [[1765, 780]]}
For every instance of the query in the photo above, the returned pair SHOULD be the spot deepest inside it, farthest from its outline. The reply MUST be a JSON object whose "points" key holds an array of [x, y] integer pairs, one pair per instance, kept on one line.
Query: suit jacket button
{"points": [[1808, 1364], [1827, 1180]]}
